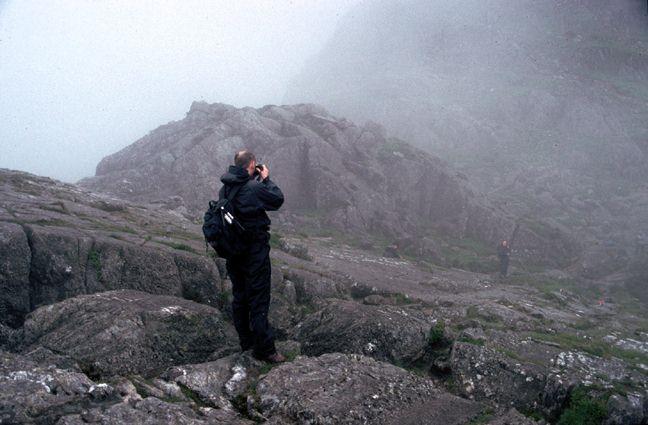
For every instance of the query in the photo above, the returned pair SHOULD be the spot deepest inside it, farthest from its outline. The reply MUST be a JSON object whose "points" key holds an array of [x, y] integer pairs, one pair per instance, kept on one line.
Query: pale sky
{"points": [[82, 79]]}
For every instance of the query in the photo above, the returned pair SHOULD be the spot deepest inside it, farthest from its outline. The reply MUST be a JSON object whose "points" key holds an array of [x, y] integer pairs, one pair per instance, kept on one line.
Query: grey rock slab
{"points": [[124, 332], [389, 333], [482, 373], [33, 392], [345, 389], [153, 411]]}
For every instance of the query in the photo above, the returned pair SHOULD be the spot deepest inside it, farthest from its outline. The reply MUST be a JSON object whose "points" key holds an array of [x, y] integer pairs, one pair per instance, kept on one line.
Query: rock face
{"points": [[332, 172], [389, 333], [57, 241], [123, 332], [339, 388]]}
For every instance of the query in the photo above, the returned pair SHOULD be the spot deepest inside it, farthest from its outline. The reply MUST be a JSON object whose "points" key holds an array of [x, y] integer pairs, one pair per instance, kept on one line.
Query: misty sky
{"points": [[82, 79]]}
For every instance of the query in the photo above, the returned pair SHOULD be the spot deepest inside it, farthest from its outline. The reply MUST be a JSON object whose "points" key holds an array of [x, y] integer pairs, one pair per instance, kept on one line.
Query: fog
{"points": [[80, 80]]}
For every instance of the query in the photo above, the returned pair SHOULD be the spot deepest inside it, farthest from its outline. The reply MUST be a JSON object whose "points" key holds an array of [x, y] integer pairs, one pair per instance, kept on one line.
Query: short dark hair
{"points": [[244, 158]]}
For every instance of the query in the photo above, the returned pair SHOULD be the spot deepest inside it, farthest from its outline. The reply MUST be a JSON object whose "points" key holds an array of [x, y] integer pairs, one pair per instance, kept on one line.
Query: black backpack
{"points": [[222, 229]]}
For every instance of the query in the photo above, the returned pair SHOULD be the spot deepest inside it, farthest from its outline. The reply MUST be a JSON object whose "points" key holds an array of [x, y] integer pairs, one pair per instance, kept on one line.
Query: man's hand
{"points": [[264, 173]]}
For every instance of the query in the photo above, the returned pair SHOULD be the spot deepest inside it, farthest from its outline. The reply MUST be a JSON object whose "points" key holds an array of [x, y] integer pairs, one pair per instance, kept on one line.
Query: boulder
{"points": [[345, 389], [124, 332], [219, 382], [389, 333], [32, 392], [481, 373]]}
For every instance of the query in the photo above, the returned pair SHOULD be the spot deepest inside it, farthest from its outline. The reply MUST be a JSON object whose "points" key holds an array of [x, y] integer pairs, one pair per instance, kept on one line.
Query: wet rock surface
{"points": [[122, 332], [152, 411], [339, 388], [58, 241], [397, 334], [32, 392], [459, 334]]}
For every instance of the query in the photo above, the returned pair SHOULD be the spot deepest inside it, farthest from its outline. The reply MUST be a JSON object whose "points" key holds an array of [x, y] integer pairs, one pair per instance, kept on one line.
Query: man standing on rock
{"points": [[250, 272], [503, 252]]}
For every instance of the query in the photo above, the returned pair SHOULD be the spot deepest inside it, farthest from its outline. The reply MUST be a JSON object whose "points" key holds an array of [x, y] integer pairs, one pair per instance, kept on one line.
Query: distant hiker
{"points": [[250, 271], [503, 252]]}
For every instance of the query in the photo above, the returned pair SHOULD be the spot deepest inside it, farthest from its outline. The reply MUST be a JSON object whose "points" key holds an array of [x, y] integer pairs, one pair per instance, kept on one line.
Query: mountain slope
{"points": [[541, 104], [335, 175]]}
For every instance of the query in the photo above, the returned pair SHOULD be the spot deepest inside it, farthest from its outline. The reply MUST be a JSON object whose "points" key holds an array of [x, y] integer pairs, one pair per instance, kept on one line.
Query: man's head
{"points": [[504, 243], [246, 160]]}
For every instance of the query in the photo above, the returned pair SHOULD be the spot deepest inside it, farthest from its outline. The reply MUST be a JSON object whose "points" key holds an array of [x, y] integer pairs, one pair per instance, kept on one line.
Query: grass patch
{"points": [[490, 320], [275, 240], [593, 346], [483, 417], [401, 299], [551, 288], [57, 207], [176, 245], [583, 409], [468, 254], [473, 341], [94, 259], [109, 227], [192, 395], [510, 354]]}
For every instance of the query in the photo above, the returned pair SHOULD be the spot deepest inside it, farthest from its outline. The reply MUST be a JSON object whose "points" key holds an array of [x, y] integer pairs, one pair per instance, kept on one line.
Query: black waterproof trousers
{"points": [[504, 263], [250, 276]]}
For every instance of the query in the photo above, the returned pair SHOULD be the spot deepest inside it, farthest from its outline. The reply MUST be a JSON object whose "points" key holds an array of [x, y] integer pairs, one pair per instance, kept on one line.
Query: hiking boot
{"points": [[275, 358]]}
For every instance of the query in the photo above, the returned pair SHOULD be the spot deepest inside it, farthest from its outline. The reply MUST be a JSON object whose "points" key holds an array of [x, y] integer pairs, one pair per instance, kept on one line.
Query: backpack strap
{"points": [[233, 191]]}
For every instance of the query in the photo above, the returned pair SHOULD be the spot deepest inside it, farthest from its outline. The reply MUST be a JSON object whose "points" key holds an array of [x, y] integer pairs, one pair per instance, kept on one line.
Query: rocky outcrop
{"points": [[124, 332], [153, 411], [483, 374], [58, 241], [346, 389], [32, 392], [334, 173], [388, 333]]}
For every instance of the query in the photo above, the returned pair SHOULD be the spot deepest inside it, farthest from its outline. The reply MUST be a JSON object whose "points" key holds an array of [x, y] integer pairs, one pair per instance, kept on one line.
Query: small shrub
{"points": [[437, 333], [583, 409]]}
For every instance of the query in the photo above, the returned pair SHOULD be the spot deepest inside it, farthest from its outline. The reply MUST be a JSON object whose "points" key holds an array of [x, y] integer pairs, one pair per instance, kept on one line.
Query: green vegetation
{"points": [[275, 240], [472, 341], [469, 254], [591, 345], [483, 417], [436, 334], [551, 289], [192, 395], [401, 299], [486, 319], [176, 245], [94, 259], [224, 298], [583, 409], [510, 353], [57, 207]]}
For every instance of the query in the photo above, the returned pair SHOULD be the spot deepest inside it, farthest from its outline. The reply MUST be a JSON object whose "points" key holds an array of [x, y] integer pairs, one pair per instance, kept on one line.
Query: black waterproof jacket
{"points": [[503, 251], [253, 199]]}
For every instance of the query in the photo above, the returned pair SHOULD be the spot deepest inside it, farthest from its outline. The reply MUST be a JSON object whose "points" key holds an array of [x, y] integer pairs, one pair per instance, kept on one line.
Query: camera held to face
{"points": [[257, 170]]}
